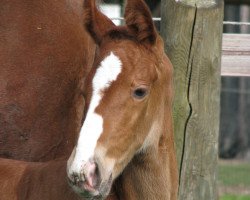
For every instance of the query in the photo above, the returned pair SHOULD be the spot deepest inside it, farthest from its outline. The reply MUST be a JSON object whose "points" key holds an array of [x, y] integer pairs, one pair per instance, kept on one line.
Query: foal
{"points": [[125, 146]]}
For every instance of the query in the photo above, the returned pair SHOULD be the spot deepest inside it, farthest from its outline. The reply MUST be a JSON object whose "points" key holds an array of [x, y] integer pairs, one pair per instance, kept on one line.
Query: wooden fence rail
{"points": [[235, 55]]}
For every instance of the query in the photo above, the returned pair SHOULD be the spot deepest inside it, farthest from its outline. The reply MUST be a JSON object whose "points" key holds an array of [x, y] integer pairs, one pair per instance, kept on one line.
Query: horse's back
{"points": [[44, 53]]}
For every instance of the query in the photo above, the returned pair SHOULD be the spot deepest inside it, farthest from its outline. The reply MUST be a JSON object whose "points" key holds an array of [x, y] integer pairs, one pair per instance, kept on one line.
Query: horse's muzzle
{"points": [[88, 182]]}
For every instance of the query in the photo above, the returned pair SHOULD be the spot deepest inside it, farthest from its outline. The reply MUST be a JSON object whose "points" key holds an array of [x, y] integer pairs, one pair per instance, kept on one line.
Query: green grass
{"points": [[234, 197], [234, 175]]}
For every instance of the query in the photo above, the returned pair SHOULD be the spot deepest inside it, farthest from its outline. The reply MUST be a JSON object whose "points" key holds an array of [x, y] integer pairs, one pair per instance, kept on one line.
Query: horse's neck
{"points": [[150, 175]]}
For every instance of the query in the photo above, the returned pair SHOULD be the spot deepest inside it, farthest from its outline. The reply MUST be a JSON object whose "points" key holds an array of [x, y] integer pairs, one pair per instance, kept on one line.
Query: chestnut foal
{"points": [[125, 146], [125, 149]]}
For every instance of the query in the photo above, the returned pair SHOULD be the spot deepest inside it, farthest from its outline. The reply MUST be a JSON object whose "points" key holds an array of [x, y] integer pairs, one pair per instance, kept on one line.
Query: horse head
{"points": [[128, 93]]}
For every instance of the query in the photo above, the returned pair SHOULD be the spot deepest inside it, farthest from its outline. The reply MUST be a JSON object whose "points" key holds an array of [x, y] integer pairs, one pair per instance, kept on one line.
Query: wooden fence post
{"points": [[192, 30]]}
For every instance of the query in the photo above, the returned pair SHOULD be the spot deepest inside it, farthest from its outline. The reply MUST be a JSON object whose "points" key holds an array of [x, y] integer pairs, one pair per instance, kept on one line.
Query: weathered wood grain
{"points": [[193, 38], [236, 55]]}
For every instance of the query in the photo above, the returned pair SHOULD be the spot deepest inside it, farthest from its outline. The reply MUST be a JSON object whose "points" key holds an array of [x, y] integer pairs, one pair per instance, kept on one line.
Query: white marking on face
{"points": [[92, 128]]}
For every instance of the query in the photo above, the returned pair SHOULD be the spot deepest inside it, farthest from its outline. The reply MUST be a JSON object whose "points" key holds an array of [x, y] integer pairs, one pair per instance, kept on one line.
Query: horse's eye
{"points": [[140, 93]]}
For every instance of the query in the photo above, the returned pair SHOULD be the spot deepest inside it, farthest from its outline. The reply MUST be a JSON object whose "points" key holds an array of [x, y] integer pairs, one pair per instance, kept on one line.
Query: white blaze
{"points": [[92, 128]]}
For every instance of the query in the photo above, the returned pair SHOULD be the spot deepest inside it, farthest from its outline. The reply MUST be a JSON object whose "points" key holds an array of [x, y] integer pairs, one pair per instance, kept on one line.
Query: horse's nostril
{"points": [[91, 174], [88, 178]]}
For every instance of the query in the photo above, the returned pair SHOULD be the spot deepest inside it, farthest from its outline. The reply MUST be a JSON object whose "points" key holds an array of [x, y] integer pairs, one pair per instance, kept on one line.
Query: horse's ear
{"points": [[139, 21], [96, 23]]}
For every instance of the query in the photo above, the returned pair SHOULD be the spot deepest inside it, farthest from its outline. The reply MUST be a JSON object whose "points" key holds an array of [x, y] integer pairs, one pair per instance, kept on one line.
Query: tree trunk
{"points": [[192, 31]]}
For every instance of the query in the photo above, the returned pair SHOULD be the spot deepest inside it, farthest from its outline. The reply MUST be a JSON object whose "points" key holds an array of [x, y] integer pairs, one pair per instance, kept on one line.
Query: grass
{"points": [[234, 180], [236, 174], [235, 197]]}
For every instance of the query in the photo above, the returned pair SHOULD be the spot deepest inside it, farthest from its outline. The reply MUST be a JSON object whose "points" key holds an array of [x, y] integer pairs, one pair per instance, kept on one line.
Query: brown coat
{"points": [[45, 54]]}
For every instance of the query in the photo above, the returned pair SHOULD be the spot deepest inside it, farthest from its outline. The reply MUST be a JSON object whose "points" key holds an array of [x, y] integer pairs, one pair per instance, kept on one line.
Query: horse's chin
{"points": [[88, 193]]}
